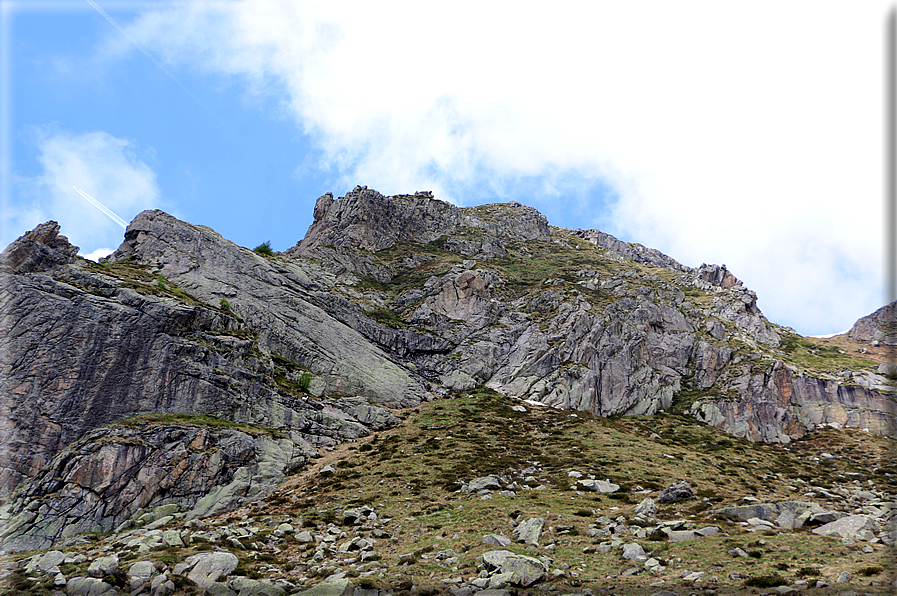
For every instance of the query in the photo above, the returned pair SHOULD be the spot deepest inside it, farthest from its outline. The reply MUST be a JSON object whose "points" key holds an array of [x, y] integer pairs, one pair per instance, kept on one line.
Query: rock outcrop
{"points": [[880, 326], [112, 474], [85, 345], [272, 297]]}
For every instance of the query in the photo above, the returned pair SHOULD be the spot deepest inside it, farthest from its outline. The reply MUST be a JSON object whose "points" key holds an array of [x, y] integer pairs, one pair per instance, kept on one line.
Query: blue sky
{"points": [[744, 135]]}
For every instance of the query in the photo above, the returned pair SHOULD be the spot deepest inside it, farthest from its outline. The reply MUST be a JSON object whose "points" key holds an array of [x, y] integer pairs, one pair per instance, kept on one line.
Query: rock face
{"points": [[111, 474], [83, 348], [387, 302], [274, 299], [879, 326]]}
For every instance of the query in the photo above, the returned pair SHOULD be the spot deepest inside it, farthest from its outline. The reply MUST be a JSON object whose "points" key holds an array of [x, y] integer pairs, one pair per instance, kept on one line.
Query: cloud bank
{"points": [[106, 167], [743, 134]]}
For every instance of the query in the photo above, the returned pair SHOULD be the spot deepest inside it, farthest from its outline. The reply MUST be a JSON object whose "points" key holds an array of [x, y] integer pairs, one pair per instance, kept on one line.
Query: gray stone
{"points": [[337, 587], [529, 530], [646, 508], [483, 483], [634, 552], [45, 562], [141, 573], [103, 566], [526, 571], [852, 527], [676, 492], [600, 486], [206, 568], [88, 586], [496, 540]]}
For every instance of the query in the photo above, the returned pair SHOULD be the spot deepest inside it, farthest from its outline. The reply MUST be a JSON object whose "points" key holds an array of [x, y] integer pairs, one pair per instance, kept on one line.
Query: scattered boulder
{"points": [[89, 586], [852, 527], [646, 508], [336, 587], [633, 551], [205, 568], [482, 483], [598, 486], [525, 571], [676, 492], [529, 531], [103, 566], [496, 540]]}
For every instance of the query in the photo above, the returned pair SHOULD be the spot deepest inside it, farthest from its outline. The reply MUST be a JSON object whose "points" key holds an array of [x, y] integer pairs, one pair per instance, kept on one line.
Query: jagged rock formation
{"points": [[386, 303]]}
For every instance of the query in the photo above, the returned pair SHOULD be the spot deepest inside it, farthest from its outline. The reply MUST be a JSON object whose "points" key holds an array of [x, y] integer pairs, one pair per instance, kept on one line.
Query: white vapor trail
{"points": [[102, 208], [138, 46]]}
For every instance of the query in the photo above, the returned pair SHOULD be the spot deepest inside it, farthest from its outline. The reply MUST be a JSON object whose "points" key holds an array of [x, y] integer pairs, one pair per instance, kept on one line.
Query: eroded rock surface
{"points": [[104, 479]]}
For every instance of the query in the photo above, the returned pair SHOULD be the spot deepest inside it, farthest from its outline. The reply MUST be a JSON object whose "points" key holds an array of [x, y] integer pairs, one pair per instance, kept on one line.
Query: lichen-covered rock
{"points": [[523, 571]]}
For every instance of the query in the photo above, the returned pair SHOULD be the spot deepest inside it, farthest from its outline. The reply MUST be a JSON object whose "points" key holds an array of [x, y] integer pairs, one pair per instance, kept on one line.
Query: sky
{"points": [[744, 134]]}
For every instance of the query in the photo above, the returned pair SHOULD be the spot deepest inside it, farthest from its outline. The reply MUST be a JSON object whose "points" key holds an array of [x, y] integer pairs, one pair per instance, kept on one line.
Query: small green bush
{"points": [[264, 249], [304, 381], [225, 305], [869, 571], [765, 581]]}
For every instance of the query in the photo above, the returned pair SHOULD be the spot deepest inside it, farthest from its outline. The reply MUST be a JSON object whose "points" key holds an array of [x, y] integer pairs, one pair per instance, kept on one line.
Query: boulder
{"points": [[525, 571], [496, 540], [529, 530], [103, 566], [598, 486], [852, 527], [676, 492], [89, 586], [634, 552], [646, 508], [206, 568], [337, 587]]}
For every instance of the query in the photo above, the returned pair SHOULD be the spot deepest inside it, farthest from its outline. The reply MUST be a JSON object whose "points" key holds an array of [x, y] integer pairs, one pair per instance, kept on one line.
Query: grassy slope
{"points": [[406, 475]]}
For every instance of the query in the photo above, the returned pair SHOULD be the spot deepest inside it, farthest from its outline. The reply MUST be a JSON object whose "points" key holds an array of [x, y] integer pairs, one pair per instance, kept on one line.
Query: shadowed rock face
{"points": [[38, 250], [105, 478]]}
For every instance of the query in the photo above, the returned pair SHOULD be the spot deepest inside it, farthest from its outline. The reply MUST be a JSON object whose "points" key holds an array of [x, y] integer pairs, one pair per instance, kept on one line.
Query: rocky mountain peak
{"points": [[366, 219], [38, 250]]}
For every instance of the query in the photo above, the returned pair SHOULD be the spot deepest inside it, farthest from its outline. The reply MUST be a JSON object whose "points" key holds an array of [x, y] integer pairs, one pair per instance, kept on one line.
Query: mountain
{"points": [[188, 373]]}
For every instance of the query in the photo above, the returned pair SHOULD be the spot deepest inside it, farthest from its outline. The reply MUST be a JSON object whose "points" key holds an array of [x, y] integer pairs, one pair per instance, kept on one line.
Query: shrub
{"points": [[225, 305], [869, 571], [765, 581], [304, 381], [264, 249]]}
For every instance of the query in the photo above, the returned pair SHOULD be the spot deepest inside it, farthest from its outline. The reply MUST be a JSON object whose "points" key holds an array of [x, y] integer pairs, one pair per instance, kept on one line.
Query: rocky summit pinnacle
{"points": [[108, 369]]}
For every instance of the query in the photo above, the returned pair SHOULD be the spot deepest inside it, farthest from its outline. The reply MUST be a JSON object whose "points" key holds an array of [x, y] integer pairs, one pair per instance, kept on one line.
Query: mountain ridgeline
{"points": [[386, 303]]}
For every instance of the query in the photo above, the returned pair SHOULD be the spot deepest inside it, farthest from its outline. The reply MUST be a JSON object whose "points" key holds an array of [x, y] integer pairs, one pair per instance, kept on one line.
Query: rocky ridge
{"points": [[388, 302]]}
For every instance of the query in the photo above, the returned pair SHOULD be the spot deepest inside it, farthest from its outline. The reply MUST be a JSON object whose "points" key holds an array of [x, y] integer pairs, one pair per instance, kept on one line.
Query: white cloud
{"points": [[106, 167], [98, 254], [747, 134]]}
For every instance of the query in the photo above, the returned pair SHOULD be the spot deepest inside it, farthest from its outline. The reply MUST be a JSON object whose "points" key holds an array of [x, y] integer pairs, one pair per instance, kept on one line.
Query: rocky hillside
{"points": [[188, 373]]}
